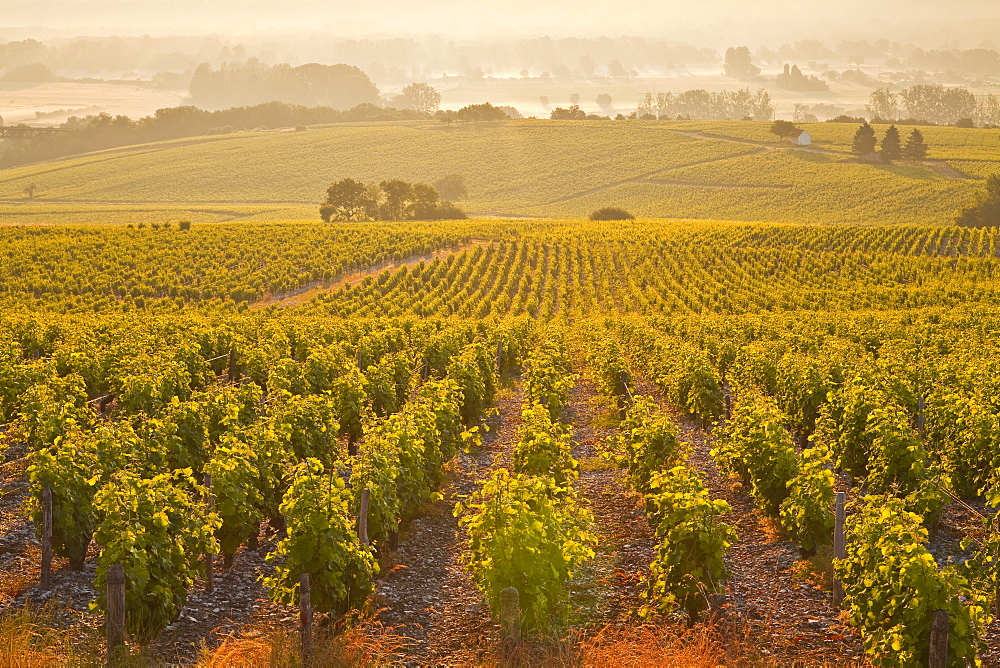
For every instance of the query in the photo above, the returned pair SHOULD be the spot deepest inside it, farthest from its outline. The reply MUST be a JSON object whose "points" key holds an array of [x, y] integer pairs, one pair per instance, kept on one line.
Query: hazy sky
{"points": [[705, 23]]}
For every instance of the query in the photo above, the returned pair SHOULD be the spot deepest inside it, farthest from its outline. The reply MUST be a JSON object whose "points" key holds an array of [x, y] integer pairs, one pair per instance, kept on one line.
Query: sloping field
{"points": [[720, 170]]}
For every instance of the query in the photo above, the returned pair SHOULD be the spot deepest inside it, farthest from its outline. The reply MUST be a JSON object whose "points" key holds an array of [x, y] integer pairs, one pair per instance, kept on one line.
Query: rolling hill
{"points": [[530, 168]]}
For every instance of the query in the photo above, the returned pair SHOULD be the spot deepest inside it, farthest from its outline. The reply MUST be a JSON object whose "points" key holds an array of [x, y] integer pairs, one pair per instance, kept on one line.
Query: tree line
{"points": [[93, 133], [936, 105], [701, 104], [252, 82]]}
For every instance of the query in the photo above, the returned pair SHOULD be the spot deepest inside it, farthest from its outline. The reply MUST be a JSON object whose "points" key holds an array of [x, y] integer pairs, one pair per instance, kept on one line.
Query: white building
{"points": [[800, 137]]}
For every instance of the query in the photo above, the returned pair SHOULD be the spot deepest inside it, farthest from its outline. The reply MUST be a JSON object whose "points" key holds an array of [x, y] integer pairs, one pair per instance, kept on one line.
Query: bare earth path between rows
{"points": [[427, 596], [612, 583], [302, 295]]}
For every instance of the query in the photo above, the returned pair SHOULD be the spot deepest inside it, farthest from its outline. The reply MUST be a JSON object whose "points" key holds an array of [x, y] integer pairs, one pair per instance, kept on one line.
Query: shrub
{"points": [[158, 530], [892, 586], [543, 447], [321, 541], [611, 213], [757, 447], [528, 533], [648, 442], [806, 514], [689, 564]]}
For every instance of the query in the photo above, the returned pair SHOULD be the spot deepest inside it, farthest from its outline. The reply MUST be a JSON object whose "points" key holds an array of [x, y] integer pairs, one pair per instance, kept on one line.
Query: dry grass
{"points": [[27, 640], [369, 645]]}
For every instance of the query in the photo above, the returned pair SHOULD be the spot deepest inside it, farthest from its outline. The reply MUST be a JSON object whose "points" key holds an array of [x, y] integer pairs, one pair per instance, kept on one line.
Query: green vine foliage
{"points": [[807, 513], [308, 425], [892, 587], [528, 533], [646, 442], [689, 564], [548, 376], [331, 372], [237, 499], [51, 408], [67, 469], [182, 431], [321, 540], [442, 399], [157, 528], [606, 358], [474, 369], [963, 433], [983, 567], [544, 447], [74, 468], [757, 447]]}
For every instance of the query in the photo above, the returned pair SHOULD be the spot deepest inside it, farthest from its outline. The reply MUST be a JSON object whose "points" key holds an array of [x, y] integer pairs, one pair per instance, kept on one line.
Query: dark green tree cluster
{"points": [[351, 200], [985, 212], [865, 142]]}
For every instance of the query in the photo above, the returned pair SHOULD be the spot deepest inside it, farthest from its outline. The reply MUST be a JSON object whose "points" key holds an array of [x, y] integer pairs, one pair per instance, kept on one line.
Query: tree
{"points": [[738, 64], [418, 97], [574, 113], [915, 148], [864, 140], [425, 202], [574, 98], [481, 112], [882, 103], [616, 70], [782, 128], [348, 199], [892, 148], [544, 100], [396, 197], [452, 187], [604, 101], [30, 189], [587, 65], [986, 212]]}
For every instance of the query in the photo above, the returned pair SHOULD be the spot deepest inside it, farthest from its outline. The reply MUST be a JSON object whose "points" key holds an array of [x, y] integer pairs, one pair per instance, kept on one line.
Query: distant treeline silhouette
{"points": [[93, 133], [253, 82]]}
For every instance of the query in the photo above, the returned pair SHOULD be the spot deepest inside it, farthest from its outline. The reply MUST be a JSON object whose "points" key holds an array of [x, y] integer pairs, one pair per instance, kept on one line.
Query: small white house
{"points": [[800, 137]]}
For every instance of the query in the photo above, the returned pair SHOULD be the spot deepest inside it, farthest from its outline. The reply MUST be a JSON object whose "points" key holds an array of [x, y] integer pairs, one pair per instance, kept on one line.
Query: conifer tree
{"points": [[892, 148], [864, 140], [915, 148]]}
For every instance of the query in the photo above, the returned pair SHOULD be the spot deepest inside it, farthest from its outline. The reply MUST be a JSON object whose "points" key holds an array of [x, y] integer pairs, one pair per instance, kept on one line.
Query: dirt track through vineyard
{"points": [[426, 595], [302, 295]]}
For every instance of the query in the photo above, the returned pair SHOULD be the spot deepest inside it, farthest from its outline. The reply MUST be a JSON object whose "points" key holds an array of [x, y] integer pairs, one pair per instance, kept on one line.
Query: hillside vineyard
{"points": [[300, 367]]}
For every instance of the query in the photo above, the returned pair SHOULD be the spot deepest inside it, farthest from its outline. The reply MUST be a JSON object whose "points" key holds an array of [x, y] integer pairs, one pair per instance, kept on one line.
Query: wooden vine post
{"points": [[839, 546], [46, 571], [510, 620], [209, 557], [305, 619], [114, 617], [363, 516], [499, 355], [938, 654]]}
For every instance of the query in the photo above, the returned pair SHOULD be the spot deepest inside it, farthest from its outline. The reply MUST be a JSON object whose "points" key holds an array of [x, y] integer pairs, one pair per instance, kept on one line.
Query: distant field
{"points": [[687, 169]]}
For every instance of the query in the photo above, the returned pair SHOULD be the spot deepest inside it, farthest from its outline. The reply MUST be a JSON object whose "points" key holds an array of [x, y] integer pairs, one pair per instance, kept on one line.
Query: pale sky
{"points": [[712, 23]]}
